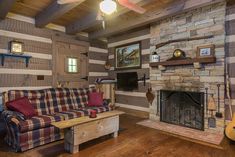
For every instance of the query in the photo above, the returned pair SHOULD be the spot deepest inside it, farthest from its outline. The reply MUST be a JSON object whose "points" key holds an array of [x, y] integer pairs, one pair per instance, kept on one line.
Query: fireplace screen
{"points": [[182, 108]]}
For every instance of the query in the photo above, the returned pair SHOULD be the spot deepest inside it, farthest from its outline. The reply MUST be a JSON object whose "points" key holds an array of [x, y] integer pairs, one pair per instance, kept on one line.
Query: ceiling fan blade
{"points": [[68, 1], [132, 6]]}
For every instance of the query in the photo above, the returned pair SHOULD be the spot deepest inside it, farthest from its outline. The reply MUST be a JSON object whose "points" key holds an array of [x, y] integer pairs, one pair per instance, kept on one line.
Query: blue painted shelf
{"points": [[4, 55]]}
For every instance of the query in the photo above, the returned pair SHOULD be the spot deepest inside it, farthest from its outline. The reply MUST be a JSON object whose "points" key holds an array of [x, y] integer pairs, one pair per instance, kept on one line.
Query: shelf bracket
{"points": [[4, 55]]}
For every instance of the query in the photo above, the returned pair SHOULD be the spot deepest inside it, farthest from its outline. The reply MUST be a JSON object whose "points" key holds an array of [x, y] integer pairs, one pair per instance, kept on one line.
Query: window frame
{"points": [[67, 64]]}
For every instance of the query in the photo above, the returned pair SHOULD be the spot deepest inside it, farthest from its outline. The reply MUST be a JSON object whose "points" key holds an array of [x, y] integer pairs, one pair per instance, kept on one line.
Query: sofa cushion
{"points": [[80, 96], [36, 97], [30, 94], [23, 106], [38, 122], [59, 99], [95, 99], [97, 109], [40, 105], [72, 114]]}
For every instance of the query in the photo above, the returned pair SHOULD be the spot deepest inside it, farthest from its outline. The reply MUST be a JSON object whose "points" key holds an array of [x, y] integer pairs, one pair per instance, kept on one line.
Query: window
{"points": [[72, 65]]}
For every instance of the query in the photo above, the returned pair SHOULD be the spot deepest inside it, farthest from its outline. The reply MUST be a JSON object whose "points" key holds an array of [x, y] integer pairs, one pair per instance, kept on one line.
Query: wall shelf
{"points": [[190, 61], [4, 55]]}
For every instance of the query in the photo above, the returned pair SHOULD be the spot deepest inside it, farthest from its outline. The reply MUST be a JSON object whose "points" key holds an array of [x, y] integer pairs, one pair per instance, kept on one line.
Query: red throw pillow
{"points": [[23, 106], [95, 99]]}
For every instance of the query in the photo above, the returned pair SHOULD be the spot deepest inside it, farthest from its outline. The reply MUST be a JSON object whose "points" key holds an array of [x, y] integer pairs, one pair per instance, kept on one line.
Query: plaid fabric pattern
{"points": [[61, 104], [97, 109], [72, 114], [30, 94], [59, 99], [40, 105], [38, 137], [24, 141], [36, 98], [80, 96], [38, 122]]}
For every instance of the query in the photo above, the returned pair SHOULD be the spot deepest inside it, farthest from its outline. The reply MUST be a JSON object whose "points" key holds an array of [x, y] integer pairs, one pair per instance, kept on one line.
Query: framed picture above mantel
{"points": [[205, 51], [128, 56]]}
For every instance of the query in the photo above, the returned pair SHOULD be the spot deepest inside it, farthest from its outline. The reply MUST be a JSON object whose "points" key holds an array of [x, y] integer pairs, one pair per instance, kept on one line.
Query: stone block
{"points": [[189, 19], [217, 72], [193, 33], [218, 79], [202, 73]]}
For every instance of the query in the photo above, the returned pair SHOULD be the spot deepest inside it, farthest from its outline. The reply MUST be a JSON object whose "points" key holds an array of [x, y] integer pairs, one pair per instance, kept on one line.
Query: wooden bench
{"points": [[83, 129]]}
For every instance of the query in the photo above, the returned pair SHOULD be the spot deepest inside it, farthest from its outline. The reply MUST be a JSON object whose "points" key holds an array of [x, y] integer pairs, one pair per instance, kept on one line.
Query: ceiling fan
{"points": [[109, 6]]}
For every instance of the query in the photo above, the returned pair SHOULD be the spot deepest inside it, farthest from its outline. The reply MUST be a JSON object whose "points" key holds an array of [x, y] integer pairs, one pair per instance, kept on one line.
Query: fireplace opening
{"points": [[182, 108]]}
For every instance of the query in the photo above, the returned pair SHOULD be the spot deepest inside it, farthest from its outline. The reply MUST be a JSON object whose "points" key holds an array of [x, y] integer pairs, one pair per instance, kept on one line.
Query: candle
{"points": [[93, 114]]}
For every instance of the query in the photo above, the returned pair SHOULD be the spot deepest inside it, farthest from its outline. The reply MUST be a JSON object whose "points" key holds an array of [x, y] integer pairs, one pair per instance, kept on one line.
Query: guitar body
{"points": [[230, 129]]}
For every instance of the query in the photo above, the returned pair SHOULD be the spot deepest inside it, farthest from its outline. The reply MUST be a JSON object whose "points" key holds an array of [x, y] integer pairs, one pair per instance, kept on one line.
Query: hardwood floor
{"points": [[133, 141]]}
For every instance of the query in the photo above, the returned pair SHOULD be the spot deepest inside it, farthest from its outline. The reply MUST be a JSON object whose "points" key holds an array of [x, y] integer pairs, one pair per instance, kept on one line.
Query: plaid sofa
{"points": [[51, 105]]}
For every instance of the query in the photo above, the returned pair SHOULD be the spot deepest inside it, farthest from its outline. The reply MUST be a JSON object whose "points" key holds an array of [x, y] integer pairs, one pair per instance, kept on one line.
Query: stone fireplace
{"points": [[180, 89], [182, 108]]}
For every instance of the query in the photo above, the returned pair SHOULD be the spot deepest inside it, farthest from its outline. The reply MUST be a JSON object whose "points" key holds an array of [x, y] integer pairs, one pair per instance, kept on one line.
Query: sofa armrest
{"points": [[12, 117], [107, 102]]}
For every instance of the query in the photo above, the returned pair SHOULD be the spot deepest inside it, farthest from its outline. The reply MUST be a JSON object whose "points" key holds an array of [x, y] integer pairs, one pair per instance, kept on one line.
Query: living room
{"points": [[117, 78]]}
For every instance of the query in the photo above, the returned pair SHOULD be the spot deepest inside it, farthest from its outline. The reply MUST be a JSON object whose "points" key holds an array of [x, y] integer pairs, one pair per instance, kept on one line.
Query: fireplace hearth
{"points": [[182, 108]]}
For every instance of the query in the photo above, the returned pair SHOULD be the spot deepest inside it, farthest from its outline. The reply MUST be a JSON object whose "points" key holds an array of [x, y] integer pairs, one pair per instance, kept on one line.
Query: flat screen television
{"points": [[127, 81]]}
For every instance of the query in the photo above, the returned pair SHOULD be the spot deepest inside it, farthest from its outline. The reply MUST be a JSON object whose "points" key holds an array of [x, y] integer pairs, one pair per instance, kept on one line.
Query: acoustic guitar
{"points": [[230, 129]]}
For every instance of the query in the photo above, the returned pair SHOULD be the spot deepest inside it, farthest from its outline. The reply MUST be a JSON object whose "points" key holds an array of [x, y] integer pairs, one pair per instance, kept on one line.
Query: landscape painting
{"points": [[128, 56]]}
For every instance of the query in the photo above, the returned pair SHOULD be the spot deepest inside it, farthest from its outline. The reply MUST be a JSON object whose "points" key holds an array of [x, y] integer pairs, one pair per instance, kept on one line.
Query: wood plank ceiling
{"points": [[77, 17]]}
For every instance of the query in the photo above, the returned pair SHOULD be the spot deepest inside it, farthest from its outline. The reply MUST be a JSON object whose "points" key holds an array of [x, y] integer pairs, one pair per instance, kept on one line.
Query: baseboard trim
{"points": [[138, 108], [135, 113]]}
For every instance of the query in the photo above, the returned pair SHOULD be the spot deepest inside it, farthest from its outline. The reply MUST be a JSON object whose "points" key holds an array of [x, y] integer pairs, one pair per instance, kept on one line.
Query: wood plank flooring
{"points": [[133, 141]]}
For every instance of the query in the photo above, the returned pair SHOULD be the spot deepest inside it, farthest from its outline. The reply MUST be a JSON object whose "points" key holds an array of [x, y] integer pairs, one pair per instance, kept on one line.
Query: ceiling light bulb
{"points": [[108, 6]]}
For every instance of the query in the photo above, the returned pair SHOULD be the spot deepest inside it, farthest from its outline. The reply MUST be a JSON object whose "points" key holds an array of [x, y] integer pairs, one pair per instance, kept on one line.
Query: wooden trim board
{"points": [[98, 50], [134, 113], [138, 108], [33, 54], [230, 17], [4, 89], [25, 71], [230, 38], [93, 61], [24, 36], [98, 74], [114, 44]]}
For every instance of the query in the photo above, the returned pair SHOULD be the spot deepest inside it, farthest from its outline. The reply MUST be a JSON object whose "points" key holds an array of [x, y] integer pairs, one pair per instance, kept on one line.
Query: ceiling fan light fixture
{"points": [[108, 6]]}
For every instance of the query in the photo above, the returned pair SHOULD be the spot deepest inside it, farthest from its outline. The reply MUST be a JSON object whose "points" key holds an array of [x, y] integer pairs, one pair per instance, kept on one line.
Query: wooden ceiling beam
{"points": [[153, 15], [54, 11], [90, 20], [83, 23], [5, 6]]}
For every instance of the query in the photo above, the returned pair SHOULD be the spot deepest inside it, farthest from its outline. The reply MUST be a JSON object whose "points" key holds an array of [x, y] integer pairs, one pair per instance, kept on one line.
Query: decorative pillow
{"points": [[95, 99], [23, 106]]}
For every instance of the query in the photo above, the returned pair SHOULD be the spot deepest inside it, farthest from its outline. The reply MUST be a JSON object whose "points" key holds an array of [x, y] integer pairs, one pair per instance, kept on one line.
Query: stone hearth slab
{"points": [[197, 136]]}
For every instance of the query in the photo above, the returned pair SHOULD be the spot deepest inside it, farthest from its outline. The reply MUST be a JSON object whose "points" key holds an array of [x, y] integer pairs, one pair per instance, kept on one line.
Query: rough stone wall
{"points": [[205, 21]]}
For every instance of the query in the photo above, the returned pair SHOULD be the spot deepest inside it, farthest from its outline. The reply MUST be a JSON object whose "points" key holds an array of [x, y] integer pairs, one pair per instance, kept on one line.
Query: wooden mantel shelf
{"points": [[205, 60]]}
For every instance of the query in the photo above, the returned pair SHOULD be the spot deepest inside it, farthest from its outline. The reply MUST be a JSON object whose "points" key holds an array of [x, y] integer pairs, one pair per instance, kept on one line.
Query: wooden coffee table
{"points": [[83, 129]]}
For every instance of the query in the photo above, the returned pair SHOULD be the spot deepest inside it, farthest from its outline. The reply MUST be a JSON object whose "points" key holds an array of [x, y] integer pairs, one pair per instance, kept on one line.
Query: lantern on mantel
{"points": [[155, 57]]}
